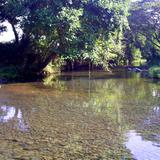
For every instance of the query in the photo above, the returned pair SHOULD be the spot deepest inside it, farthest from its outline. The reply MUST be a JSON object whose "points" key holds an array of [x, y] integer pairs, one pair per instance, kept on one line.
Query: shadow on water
{"points": [[81, 116]]}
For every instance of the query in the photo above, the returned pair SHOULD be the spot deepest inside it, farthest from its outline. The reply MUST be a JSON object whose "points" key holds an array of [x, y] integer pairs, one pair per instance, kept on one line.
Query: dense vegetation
{"points": [[95, 32], [144, 39]]}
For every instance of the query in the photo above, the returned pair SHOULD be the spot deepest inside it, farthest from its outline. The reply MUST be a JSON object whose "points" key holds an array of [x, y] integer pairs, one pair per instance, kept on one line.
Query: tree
{"points": [[66, 28], [144, 22], [13, 11]]}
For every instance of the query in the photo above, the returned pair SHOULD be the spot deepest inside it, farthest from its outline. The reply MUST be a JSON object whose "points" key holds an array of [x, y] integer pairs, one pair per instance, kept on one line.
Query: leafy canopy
{"points": [[86, 29]]}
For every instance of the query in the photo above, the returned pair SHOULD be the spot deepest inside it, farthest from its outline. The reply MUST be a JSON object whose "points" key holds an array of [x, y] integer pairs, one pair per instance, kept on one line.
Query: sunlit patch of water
{"points": [[142, 149], [9, 113]]}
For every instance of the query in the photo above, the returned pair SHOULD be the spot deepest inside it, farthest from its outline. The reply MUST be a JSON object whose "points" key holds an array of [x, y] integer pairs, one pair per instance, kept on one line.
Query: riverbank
{"points": [[12, 73]]}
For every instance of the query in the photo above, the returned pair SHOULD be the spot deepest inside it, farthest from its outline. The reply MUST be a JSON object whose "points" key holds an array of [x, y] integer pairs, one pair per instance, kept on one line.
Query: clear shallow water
{"points": [[142, 149], [81, 116]]}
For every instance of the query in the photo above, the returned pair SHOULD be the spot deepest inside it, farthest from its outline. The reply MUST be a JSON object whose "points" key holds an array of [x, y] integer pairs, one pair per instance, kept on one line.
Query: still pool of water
{"points": [[81, 116]]}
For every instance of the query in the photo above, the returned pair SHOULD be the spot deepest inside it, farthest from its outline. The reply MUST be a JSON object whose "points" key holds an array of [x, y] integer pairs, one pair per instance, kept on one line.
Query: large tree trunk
{"points": [[34, 68], [42, 65], [15, 33]]}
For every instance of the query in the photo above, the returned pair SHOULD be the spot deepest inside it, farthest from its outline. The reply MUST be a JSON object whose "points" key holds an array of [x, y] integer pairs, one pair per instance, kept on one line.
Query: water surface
{"points": [[81, 116]]}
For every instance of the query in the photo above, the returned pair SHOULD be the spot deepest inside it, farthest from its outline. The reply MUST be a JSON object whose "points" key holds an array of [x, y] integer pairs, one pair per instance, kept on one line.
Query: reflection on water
{"points": [[81, 116], [155, 93], [8, 113], [153, 117], [142, 149]]}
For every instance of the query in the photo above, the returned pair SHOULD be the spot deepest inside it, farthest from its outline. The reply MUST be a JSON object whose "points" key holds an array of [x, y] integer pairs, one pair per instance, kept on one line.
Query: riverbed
{"points": [[81, 116]]}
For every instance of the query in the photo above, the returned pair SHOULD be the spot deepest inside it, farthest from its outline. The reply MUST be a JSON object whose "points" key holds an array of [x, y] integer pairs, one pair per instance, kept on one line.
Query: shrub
{"points": [[154, 72], [9, 73], [54, 66]]}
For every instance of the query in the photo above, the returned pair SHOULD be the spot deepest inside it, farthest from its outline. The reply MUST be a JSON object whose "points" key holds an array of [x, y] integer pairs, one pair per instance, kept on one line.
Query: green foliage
{"points": [[137, 56], [71, 29], [145, 29], [141, 39], [9, 73], [106, 52], [154, 72], [96, 31], [54, 66]]}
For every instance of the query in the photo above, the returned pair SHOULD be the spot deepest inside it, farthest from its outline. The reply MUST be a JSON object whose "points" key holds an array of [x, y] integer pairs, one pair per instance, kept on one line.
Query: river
{"points": [[81, 116]]}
